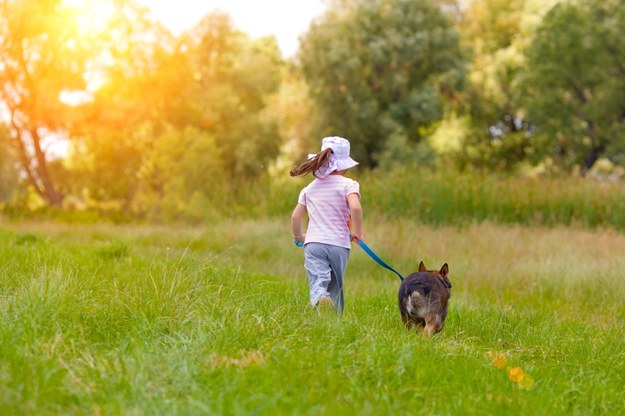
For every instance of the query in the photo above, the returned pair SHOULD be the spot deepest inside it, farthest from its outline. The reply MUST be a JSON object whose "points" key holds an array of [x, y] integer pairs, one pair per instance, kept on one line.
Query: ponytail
{"points": [[311, 165]]}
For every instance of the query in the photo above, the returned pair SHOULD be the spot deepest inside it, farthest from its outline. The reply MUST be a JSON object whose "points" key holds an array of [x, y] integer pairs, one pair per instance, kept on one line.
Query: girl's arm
{"points": [[296, 222], [353, 200]]}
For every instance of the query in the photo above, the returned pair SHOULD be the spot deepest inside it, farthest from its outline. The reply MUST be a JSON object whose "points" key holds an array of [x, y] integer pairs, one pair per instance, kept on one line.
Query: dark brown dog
{"points": [[423, 299]]}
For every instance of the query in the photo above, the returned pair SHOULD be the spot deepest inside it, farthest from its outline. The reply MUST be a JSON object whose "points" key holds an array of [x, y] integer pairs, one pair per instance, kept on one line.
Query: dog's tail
{"points": [[418, 304]]}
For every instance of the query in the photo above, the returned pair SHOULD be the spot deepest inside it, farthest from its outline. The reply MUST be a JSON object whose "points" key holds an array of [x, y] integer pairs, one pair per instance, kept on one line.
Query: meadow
{"points": [[215, 319], [147, 265]]}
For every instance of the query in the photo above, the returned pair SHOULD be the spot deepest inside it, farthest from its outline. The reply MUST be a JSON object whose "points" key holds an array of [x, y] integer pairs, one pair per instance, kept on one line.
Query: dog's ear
{"points": [[422, 267], [444, 270]]}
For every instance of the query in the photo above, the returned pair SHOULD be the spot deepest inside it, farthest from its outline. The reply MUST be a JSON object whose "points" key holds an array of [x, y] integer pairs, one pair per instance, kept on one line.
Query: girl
{"points": [[330, 201]]}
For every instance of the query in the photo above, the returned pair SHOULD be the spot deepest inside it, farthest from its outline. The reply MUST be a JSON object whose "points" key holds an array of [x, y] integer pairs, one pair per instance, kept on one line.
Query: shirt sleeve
{"points": [[301, 199], [353, 187]]}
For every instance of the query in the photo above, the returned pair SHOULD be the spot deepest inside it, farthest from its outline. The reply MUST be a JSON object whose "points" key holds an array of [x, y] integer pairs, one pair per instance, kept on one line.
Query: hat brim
{"points": [[345, 163]]}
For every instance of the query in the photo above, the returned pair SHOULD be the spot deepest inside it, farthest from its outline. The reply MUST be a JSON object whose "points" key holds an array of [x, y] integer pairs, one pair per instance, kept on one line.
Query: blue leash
{"points": [[377, 259], [371, 254]]}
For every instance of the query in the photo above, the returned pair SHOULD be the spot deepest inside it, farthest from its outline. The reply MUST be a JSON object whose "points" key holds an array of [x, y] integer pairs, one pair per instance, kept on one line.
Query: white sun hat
{"points": [[339, 158]]}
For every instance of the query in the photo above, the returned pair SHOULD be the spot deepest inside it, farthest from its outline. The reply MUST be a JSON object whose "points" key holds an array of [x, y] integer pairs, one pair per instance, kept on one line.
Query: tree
{"points": [[575, 85], [41, 55], [139, 75], [53, 52], [162, 99], [233, 78], [296, 115], [379, 69], [495, 32], [182, 166], [218, 129]]}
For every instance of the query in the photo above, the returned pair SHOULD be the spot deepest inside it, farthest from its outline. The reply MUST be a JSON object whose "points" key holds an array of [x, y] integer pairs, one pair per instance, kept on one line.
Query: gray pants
{"points": [[325, 265]]}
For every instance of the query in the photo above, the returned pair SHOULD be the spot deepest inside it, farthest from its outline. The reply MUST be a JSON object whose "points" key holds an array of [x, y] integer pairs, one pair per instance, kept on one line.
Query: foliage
{"points": [[115, 82], [233, 78], [399, 152], [105, 164], [446, 197], [177, 117], [575, 83], [42, 55], [56, 54], [180, 167], [496, 32], [176, 191], [9, 178], [544, 85], [202, 124], [296, 116], [378, 69], [137, 81]]}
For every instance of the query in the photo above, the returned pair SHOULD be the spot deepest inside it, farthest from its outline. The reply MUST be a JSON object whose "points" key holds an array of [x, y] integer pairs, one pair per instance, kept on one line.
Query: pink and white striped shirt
{"points": [[328, 211]]}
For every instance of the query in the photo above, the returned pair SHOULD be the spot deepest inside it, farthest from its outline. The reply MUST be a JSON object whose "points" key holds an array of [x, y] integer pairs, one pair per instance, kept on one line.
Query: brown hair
{"points": [[311, 165]]}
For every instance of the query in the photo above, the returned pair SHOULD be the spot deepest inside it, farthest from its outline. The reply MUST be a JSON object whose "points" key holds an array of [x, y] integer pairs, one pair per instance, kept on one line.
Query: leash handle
{"points": [[377, 259]]}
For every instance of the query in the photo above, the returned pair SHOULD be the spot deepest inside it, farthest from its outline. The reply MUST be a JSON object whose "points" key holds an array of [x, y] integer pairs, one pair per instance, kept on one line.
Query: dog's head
{"points": [[443, 273]]}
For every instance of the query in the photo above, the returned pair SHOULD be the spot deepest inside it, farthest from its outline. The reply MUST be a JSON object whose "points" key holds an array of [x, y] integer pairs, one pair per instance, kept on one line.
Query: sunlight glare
{"points": [[285, 19], [92, 15]]}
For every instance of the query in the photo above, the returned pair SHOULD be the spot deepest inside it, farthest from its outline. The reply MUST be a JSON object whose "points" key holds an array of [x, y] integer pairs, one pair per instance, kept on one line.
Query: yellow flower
{"points": [[499, 360], [516, 374], [526, 383]]}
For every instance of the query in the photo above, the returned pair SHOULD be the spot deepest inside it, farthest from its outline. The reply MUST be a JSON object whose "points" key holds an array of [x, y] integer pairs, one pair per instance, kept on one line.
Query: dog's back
{"points": [[423, 298]]}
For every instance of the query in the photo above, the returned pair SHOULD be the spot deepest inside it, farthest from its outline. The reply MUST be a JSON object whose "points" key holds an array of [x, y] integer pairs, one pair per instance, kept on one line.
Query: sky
{"points": [[285, 19]]}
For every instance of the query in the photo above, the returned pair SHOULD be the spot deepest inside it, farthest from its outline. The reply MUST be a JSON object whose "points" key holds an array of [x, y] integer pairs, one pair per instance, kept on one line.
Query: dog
{"points": [[423, 298]]}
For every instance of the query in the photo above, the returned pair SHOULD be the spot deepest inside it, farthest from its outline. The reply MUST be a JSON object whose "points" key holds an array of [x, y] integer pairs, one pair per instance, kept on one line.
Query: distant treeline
{"points": [[103, 109]]}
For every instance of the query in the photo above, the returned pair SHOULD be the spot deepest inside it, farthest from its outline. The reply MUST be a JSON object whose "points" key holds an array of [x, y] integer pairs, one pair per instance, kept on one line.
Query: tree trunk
{"points": [[52, 196], [592, 157], [39, 178], [596, 151]]}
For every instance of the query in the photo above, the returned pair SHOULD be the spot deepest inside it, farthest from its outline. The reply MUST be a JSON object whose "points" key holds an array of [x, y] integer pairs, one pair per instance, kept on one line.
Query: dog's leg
{"points": [[432, 324], [409, 323]]}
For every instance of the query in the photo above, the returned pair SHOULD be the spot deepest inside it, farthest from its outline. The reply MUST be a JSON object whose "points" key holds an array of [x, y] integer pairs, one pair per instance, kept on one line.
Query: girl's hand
{"points": [[300, 238], [355, 237]]}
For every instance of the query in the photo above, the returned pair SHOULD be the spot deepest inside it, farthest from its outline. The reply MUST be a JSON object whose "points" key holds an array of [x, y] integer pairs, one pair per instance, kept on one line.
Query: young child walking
{"points": [[332, 203]]}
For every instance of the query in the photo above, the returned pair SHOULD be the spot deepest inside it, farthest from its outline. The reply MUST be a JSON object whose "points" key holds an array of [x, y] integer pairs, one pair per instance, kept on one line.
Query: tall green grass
{"points": [[425, 196], [453, 198], [133, 320]]}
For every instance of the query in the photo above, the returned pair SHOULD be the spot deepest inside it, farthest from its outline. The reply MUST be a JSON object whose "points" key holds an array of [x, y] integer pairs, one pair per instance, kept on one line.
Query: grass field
{"points": [[136, 320]]}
